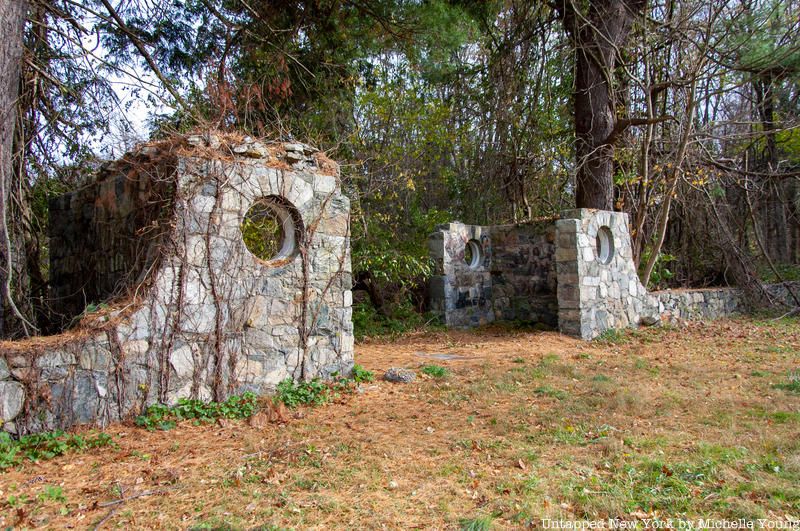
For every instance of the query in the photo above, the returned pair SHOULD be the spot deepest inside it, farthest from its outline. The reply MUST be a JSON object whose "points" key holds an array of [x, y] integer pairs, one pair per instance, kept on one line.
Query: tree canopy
{"points": [[683, 113]]}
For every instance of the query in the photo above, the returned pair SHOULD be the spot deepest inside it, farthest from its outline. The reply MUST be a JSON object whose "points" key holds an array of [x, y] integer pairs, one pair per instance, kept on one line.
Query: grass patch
{"points": [[481, 523], [778, 417], [646, 485], [41, 446], [611, 441], [434, 371], [546, 390], [792, 386]]}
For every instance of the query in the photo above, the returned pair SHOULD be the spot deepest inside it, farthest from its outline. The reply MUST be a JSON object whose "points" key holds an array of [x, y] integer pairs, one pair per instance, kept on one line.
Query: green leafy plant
{"points": [[361, 375], [612, 336], [52, 493], [162, 417], [16, 501], [434, 371], [368, 322], [661, 274], [314, 392], [41, 446], [156, 417]]}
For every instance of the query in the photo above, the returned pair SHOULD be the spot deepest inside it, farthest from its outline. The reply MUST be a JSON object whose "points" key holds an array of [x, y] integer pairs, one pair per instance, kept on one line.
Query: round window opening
{"points": [[473, 254], [272, 229], [605, 245]]}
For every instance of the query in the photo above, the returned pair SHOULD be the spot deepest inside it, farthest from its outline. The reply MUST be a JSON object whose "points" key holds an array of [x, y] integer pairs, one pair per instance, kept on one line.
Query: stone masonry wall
{"points": [[513, 280], [599, 288], [460, 292], [595, 294], [523, 273], [211, 319], [103, 236], [577, 272]]}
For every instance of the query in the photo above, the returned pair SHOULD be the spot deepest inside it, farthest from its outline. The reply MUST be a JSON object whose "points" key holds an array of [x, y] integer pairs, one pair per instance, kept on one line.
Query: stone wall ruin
{"points": [[193, 313], [576, 273], [512, 278]]}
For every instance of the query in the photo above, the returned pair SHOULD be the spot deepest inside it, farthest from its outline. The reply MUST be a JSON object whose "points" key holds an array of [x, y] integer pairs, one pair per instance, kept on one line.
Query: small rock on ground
{"points": [[399, 375]]}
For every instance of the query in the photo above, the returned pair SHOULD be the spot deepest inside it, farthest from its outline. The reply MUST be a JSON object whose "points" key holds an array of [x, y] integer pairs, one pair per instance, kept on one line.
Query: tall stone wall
{"points": [[523, 273], [210, 319], [461, 291], [598, 285], [104, 236]]}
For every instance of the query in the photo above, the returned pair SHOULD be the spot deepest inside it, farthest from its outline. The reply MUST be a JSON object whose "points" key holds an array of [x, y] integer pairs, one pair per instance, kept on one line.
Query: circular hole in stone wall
{"points": [[604, 245], [473, 254], [272, 228]]}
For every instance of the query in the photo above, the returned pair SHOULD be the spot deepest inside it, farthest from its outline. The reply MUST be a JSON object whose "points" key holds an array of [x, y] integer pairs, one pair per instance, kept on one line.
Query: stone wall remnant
{"points": [[576, 273], [201, 315], [514, 279]]}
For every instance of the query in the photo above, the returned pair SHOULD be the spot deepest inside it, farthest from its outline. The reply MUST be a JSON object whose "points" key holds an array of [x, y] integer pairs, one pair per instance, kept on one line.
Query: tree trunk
{"points": [[773, 215], [12, 25], [594, 122], [597, 36]]}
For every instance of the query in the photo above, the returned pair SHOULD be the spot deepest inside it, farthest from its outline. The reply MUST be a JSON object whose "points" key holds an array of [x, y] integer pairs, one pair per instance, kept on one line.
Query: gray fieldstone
{"points": [[399, 375], [12, 398], [255, 150]]}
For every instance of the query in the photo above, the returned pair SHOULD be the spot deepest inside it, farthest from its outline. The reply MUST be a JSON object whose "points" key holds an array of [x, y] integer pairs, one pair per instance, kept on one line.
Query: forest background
{"points": [[683, 113]]}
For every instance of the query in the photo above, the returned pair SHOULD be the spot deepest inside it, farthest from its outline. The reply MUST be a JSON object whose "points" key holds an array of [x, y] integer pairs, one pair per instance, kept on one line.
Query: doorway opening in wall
{"points": [[272, 229], [604, 245], [473, 254]]}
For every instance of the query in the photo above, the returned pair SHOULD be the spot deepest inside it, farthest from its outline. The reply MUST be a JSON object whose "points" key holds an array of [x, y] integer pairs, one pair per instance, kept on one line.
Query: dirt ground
{"points": [[698, 421]]}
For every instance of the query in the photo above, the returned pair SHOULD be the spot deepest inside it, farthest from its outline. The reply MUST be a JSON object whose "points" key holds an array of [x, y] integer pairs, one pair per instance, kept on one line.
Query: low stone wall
{"points": [[713, 303], [599, 287], [681, 305], [210, 319]]}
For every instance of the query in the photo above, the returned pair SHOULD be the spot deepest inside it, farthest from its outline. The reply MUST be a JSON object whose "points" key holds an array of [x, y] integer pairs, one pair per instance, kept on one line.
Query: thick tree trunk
{"points": [[12, 25], [594, 122], [597, 35]]}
